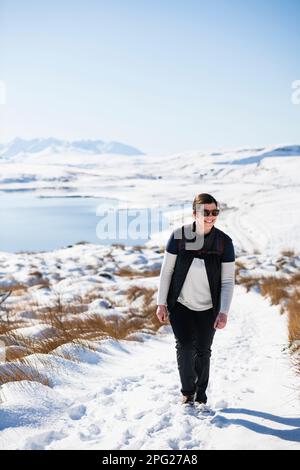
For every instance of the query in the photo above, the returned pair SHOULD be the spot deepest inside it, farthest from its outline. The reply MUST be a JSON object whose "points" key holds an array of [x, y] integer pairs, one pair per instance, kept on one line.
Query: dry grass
{"points": [[7, 326], [118, 245], [69, 327], [15, 288], [248, 281], [70, 323], [19, 289], [16, 372], [239, 265], [7, 319], [293, 307], [136, 291], [36, 273], [274, 288], [9, 311], [59, 307], [148, 308], [282, 291], [289, 253], [14, 353], [131, 273], [278, 289], [139, 248], [295, 279]]}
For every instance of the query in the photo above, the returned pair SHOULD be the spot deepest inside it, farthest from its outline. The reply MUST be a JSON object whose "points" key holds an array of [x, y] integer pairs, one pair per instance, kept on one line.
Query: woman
{"points": [[195, 289]]}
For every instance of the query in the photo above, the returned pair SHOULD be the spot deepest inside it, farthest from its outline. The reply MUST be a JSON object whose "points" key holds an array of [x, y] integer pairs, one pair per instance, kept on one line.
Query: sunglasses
{"points": [[214, 212]]}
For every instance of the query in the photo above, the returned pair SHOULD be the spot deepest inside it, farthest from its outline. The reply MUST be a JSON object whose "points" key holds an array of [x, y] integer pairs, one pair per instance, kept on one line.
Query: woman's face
{"points": [[205, 222]]}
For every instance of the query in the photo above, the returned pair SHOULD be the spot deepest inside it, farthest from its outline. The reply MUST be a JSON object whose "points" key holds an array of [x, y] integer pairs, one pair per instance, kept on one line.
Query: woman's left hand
{"points": [[221, 321]]}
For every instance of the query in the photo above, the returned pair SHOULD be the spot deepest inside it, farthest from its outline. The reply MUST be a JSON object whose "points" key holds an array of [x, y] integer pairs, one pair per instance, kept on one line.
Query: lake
{"points": [[31, 223]]}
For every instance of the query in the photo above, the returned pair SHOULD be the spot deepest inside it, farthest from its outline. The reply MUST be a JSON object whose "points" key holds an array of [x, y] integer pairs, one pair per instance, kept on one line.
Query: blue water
{"points": [[30, 223]]}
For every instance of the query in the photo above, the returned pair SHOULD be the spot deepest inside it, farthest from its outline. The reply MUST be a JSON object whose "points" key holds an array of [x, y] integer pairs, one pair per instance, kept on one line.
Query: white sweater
{"points": [[195, 293]]}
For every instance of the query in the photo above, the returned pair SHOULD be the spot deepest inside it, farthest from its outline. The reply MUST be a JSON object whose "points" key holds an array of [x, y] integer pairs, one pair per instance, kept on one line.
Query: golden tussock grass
{"points": [[286, 292], [293, 308], [69, 327], [148, 308], [288, 253], [23, 370], [131, 273], [274, 288], [282, 291], [279, 288], [17, 289], [248, 281], [71, 324], [6, 326]]}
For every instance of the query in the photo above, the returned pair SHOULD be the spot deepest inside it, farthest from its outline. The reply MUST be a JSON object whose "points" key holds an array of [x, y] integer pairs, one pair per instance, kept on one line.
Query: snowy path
{"points": [[126, 396]]}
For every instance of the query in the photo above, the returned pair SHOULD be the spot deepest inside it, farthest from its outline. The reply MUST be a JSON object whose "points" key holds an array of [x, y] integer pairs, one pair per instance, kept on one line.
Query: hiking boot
{"points": [[204, 408], [187, 400]]}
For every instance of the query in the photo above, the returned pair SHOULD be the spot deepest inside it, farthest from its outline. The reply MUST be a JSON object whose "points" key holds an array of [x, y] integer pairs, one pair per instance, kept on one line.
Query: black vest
{"points": [[211, 253]]}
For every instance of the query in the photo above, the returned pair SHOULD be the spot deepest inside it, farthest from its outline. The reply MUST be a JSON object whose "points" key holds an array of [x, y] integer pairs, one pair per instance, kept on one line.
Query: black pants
{"points": [[194, 332]]}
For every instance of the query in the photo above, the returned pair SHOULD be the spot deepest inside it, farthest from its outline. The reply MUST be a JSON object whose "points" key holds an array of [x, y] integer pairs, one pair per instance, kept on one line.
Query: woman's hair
{"points": [[203, 198]]}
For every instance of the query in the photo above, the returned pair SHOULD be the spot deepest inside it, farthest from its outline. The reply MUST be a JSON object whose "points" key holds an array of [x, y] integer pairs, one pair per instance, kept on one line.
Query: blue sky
{"points": [[164, 76]]}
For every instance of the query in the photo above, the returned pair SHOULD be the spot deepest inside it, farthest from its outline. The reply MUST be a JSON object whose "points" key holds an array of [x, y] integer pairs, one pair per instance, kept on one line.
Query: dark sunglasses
{"points": [[214, 212]]}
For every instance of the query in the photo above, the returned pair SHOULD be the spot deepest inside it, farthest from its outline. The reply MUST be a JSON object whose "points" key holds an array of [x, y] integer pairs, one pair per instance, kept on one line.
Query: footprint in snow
{"points": [[41, 441], [93, 432], [108, 401], [173, 443], [77, 412]]}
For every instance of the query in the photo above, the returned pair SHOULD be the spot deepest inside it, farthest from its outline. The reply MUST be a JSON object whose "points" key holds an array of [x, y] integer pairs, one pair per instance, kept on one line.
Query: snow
{"points": [[129, 398], [121, 394], [35, 332]]}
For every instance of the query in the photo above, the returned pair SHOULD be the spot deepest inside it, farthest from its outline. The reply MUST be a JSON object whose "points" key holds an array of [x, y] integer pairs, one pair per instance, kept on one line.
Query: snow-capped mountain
{"points": [[19, 146]]}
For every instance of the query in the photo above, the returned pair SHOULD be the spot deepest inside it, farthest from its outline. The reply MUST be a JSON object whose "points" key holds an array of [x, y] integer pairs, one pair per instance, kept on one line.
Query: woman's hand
{"points": [[221, 321], [162, 313]]}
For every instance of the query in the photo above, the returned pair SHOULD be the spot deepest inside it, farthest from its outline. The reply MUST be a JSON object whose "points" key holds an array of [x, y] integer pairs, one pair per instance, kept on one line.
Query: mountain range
{"points": [[52, 145]]}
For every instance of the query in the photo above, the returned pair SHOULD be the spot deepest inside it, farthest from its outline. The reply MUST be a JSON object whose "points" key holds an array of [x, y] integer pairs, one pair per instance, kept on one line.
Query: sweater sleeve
{"points": [[167, 269], [165, 277], [227, 276], [227, 285]]}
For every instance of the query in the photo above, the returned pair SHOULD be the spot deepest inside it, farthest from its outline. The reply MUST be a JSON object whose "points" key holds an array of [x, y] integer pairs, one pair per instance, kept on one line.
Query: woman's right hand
{"points": [[162, 313]]}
